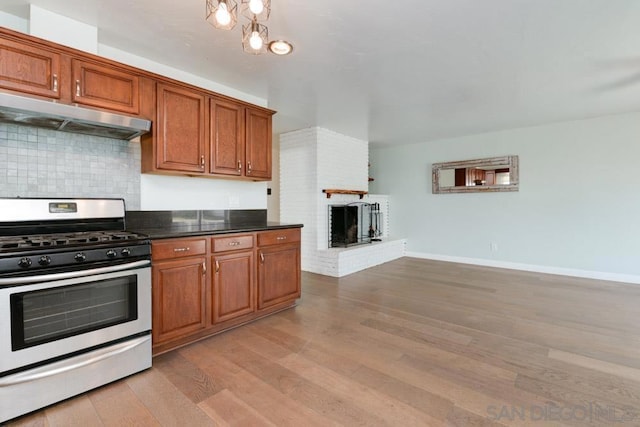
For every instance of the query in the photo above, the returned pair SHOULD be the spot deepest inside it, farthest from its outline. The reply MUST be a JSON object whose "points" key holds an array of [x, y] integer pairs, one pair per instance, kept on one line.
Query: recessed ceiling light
{"points": [[280, 47]]}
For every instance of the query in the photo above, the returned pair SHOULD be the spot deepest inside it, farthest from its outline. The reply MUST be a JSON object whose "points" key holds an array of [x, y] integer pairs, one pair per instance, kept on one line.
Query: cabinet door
{"points": [[233, 285], [278, 274], [226, 138], [180, 129], [105, 87], [179, 298], [29, 69], [258, 144]]}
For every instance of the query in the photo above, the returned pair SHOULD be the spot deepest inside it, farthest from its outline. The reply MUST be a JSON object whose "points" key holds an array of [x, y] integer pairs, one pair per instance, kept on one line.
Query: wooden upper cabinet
{"points": [[226, 138], [105, 87], [180, 129], [29, 69], [258, 144]]}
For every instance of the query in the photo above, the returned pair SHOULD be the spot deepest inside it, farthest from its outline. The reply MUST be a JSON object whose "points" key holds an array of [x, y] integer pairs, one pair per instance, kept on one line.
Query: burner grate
{"points": [[65, 239]]}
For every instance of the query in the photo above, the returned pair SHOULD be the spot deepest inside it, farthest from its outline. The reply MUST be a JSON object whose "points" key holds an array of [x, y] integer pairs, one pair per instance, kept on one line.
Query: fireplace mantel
{"points": [[330, 191]]}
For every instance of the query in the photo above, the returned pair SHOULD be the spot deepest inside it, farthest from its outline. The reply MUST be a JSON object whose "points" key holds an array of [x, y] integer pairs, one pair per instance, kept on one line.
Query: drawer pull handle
{"points": [[261, 257], [239, 165], [217, 266], [234, 243], [248, 167], [181, 249], [55, 82], [281, 238], [202, 162], [77, 87], [204, 268]]}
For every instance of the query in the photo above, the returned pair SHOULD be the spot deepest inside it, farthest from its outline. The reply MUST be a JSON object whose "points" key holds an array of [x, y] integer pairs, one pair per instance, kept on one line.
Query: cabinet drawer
{"points": [[168, 249], [232, 243], [277, 237]]}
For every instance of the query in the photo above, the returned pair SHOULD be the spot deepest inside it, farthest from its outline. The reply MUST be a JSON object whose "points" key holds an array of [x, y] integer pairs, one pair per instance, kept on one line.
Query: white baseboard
{"points": [[599, 275]]}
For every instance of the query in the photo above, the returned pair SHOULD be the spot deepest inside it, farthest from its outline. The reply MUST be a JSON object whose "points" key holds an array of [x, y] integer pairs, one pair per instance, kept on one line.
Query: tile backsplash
{"points": [[44, 163]]}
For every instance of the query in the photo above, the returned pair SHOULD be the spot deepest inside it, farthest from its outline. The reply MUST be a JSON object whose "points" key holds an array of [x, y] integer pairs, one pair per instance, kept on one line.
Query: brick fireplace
{"points": [[314, 159]]}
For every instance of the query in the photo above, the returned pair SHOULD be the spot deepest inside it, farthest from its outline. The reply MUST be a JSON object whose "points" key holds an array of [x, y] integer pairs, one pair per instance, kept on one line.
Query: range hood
{"points": [[68, 118]]}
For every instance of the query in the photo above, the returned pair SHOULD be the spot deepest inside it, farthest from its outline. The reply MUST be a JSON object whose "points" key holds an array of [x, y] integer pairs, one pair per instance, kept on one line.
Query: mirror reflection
{"points": [[490, 174]]}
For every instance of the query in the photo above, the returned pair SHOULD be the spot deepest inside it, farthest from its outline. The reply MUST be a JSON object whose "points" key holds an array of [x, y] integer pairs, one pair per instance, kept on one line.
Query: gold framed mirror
{"points": [[493, 174]]}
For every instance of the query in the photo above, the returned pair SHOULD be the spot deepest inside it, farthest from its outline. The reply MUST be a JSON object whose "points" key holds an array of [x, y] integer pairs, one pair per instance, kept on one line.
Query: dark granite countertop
{"points": [[167, 224]]}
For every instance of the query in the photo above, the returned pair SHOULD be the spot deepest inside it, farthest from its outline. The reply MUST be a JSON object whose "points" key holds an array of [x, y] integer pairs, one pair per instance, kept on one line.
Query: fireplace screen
{"points": [[353, 224]]}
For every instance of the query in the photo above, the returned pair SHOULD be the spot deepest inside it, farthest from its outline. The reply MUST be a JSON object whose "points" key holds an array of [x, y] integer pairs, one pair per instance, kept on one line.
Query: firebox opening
{"points": [[349, 225]]}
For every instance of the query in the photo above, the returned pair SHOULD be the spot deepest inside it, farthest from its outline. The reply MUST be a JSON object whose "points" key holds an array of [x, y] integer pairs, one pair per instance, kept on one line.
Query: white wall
{"points": [[578, 208], [273, 200], [62, 30], [14, 22], [159, 192]]}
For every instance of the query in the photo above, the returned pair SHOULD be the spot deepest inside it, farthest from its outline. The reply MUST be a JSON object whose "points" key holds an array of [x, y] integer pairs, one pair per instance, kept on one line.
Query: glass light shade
{"points": [[222, 14], [255, 38], [256, 9], [256, 6], [280, 47]]}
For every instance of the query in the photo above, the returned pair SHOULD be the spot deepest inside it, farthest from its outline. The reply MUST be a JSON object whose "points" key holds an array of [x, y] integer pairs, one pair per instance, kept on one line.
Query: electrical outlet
{"points": [[494, 247]]}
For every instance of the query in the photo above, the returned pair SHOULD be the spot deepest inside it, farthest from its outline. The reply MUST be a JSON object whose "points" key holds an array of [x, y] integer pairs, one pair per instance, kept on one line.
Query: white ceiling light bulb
{"points": [[255, 41], [223, 17], [256, 6]]}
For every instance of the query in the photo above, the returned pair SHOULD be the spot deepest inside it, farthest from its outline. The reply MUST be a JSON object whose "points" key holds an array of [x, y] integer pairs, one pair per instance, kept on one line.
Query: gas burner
{"points": [[66, 239]]}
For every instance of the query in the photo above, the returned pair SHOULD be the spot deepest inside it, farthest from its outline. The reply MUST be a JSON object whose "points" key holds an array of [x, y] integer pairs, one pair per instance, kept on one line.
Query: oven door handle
{"points": [[72, 274], [74, 363]]}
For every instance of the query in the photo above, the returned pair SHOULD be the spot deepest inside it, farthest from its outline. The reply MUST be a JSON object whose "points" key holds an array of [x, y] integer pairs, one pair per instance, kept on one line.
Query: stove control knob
{"points": [[25, 262], [111, 253], [80, 257], [44, 260], [126, 252]]}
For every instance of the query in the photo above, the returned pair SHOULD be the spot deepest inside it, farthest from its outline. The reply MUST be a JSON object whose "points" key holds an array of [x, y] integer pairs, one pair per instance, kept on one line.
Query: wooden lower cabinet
{"points": [[278, 274], [233, 285], [205, 285], [179, 298]]}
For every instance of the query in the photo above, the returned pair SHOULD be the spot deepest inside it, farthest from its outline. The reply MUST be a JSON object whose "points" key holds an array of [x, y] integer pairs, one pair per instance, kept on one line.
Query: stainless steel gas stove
{"points": [[75, 300]]}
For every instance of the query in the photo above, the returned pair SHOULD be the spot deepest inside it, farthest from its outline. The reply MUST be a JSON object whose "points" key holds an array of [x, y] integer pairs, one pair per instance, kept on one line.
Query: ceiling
{"points": [[397, 72]]}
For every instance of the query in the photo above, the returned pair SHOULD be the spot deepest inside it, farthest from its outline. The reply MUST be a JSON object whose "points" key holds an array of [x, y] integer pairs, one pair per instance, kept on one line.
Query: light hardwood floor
{"points": [[411, 342]]}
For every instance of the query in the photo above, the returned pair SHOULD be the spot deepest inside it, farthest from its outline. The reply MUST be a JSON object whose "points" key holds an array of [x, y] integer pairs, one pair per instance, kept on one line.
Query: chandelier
{"points": [[223, 14]]}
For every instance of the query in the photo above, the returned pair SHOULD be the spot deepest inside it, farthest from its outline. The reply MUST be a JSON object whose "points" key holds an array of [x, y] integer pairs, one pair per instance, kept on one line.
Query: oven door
{"points": [[48, 317]]}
